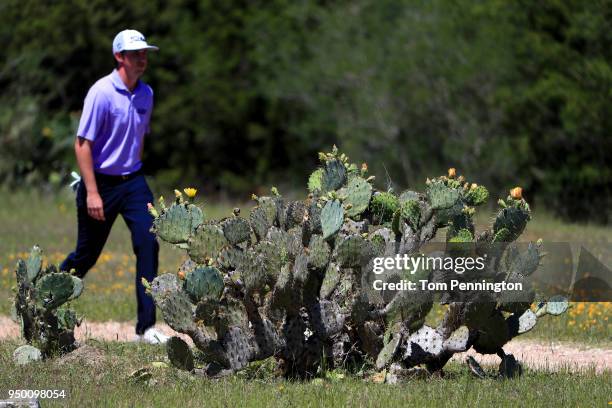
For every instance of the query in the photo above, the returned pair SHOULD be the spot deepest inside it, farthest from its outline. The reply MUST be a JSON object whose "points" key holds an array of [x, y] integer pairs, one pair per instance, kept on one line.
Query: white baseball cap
{"points": [[130, 40]]}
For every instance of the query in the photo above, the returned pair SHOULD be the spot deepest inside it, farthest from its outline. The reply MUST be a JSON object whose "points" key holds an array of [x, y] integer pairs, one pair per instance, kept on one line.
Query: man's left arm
{"points": [[147, 128]]}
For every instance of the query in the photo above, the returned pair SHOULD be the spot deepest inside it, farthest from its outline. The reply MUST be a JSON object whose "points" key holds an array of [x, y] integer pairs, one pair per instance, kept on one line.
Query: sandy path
{"points": [[550, 356], [536, 355], [107, 331]]}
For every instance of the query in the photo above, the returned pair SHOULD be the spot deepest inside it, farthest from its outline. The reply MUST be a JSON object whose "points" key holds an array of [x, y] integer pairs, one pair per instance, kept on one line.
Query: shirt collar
{"points": [[119, 85]]}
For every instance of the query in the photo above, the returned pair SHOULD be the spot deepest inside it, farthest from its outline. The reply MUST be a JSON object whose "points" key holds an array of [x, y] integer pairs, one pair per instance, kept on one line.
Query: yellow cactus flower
{"points": [[190, 191], [452, 172], [516, 193], [47, 132]]}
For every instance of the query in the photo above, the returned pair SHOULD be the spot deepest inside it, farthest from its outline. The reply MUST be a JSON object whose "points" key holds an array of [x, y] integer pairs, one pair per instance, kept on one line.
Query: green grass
{"points": [[50, 221], [106, 383]]}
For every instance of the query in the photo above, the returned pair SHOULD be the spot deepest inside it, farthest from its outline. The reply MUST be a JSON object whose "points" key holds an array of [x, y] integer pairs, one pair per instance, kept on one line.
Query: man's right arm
{"points": [[95, 206]]}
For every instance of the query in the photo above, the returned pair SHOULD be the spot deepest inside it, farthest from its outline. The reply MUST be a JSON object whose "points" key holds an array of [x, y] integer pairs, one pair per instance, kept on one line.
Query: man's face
{"points": [[135, 62]]}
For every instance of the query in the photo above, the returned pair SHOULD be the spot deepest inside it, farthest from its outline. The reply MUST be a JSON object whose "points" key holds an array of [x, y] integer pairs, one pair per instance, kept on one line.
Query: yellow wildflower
{"points": [[452, 172], [190, 191]]}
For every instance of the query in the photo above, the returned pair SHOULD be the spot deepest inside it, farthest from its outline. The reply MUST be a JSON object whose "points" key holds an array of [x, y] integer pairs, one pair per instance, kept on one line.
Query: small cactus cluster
{"points": [[47, 324], [291, 280]]}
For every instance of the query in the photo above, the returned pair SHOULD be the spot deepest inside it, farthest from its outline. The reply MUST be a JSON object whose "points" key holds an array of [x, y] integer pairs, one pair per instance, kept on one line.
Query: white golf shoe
{"points": [[152, 336]]}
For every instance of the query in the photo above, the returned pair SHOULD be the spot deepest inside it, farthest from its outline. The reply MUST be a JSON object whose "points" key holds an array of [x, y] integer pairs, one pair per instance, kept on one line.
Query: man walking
{"points": [[108, 148]]}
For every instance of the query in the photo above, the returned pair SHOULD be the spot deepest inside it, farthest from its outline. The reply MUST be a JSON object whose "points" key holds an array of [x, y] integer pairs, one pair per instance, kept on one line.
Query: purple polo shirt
{"points": [[116, 120]]}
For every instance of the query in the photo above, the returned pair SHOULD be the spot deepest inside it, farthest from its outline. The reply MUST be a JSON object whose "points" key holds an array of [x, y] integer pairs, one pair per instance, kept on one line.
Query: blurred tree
{"points": [[558, 103], [247, 92]]}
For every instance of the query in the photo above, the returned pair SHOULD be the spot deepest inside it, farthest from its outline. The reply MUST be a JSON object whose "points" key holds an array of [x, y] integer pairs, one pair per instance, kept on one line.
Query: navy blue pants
{"points": [[128, 198]]}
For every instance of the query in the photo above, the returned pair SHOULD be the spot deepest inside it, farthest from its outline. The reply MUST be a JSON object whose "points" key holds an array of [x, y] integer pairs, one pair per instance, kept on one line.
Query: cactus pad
{"points": [[422, 346], [175, 224], [410, 211], [178, 312], [318, 252], [254, 271], [388, 352], [26, 354], [259, 222], [358, 194], [273, 258], [315, 181], [55, 289], [77, 287], [512, 219], [555, 306], [179, 353], [458, 341], [353, 251], [295, 214], [331, 218], [34, 263], [441, 196], [21, 272], [204, 282], [236, 230], [527, 321], [334, 175], [67, 319], [230, 257], [330, 280], [206, 242]]}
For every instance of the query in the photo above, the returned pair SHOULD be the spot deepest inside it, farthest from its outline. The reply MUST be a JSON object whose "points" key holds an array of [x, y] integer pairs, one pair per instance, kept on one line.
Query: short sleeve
{"points": [[94, 114]]}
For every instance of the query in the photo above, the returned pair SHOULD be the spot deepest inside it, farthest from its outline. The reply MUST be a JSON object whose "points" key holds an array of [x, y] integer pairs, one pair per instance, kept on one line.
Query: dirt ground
{"points": [[546, 356]]}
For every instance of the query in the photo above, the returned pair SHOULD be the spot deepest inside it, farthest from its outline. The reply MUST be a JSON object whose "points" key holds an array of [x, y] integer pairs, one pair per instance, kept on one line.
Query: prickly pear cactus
{"points": [[176, 223], [46, 323], [291, 281]]}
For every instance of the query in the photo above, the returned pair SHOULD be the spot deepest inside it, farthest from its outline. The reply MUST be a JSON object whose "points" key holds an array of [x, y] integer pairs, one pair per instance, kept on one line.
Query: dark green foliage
{"points": [[521, 93]]}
